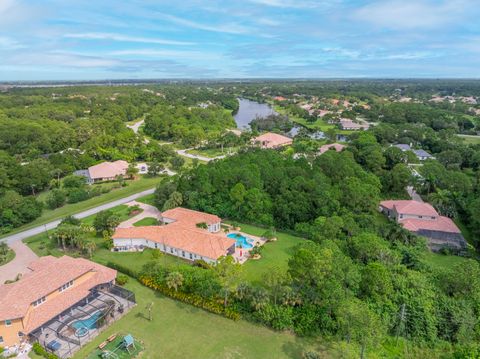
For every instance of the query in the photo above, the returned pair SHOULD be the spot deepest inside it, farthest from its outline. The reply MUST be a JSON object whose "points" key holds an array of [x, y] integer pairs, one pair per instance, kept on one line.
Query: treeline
{"points": [[187, 125], [358, 277]]}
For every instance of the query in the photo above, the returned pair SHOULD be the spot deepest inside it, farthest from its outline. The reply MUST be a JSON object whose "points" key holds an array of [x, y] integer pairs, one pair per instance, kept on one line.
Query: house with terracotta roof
{"points": [[348, 124], [105, 171], [422, 219], [51, 297], [333, 146], [185, 233], [271, 140]]}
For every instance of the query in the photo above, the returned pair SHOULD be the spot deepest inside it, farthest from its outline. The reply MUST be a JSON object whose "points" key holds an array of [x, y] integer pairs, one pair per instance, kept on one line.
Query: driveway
{"points": [[23, 257], [413, 194], [198, 157], [136, 125], [148, 211]]}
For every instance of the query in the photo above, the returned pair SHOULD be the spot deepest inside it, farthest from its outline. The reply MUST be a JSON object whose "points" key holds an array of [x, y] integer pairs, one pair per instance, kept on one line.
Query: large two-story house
{"points": [[422, 219], [52, 287], [185, 233]]}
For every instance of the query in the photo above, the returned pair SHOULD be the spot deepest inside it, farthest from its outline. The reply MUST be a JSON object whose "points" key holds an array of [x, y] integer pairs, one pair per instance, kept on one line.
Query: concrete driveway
{"points": [[23, 257], [148, 211]]}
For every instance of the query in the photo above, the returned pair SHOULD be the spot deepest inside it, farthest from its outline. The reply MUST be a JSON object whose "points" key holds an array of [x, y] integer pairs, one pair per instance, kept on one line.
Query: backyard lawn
{"points": [[274, 254], [180, 331], [441, 261], [133, 187], [470, 139]]}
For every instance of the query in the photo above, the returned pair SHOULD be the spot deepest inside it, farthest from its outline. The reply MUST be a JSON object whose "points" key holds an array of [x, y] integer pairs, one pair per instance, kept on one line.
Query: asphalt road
{"points": [[51, 225]]}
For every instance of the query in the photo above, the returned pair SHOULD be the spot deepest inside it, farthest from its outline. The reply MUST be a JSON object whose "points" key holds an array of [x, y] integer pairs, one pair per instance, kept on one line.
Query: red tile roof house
{"points": [[46, 302], [272, 140], [333, 146], [105, 171], [186, 233], [422, 219], [347, 124]]}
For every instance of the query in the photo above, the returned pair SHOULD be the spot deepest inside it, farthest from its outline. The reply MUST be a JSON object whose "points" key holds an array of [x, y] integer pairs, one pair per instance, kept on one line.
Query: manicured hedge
{"points": [[192, 299]]}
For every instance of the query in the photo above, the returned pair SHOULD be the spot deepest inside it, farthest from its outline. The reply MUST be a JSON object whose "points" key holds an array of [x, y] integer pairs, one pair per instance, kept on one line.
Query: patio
{"points": [[242, 254], [69, 331]]}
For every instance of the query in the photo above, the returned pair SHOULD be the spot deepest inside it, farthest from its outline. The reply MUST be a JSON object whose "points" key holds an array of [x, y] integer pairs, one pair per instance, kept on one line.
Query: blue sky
{"points": [[116, 39]]}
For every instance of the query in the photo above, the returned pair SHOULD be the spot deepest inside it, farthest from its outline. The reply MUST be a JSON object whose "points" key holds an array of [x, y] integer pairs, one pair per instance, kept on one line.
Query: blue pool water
{"points": [[84, 325], [242, 241]]}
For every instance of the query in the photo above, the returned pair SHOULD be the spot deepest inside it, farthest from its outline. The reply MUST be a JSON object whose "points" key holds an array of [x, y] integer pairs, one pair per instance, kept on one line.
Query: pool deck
{"points": [[241, 254]]}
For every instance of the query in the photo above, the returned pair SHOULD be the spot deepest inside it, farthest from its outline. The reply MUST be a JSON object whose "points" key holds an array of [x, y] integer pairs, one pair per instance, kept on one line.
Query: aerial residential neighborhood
{"points": [[259, 179]]}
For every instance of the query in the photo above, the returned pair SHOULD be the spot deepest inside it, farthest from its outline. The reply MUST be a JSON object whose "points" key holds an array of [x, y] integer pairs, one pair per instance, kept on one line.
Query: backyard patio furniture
{"points": [[103, 345], [54, 345], [111, 337]]}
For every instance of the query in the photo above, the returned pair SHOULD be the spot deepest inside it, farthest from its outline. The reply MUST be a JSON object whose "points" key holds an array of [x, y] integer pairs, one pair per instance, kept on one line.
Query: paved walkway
{"points": [[148, 211], [23, 257], [413, 194], [51, 225]]}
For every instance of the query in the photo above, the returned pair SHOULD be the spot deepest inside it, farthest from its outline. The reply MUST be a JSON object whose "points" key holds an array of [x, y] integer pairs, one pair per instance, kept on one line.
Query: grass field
{"points": [[470, 140], [133, 187], [181, 331], [213, 152], [148, 199], [147, 221], [274, 254], [441, 261]]}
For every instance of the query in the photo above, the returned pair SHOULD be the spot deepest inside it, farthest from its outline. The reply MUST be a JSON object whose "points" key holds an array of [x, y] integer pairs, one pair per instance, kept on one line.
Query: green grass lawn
{"points": [[147, 221], [133, 187], [441, 261], [7, 258], [181, 331], [274, 255], [148, 199], [470, 139]]}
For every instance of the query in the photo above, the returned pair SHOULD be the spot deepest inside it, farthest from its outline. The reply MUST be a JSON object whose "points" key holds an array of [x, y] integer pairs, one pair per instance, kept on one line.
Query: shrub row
{"points": [[123, 269], [39, 350], [192, 299]]}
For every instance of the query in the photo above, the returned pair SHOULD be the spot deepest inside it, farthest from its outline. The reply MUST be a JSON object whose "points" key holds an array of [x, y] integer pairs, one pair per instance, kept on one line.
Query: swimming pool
{"points": [[242, 241], [83, 326]]}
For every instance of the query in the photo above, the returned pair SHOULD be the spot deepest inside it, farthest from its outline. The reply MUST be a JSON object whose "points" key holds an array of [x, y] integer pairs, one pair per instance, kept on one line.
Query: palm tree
{"points": [[174, 280], [90, 246]]}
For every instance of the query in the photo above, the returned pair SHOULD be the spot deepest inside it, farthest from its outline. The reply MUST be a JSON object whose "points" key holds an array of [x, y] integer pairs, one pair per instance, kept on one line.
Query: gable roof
{"points": [[48, 274], [272, 140], [108, 169], [411, 207]]}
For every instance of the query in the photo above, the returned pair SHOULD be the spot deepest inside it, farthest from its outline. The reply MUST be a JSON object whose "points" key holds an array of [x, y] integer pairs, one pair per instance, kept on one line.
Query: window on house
{"points": [[171, 250], [20, 334], [191, 256], [183, 253], [1, 339], [420, 216], [8, 322], [156, 245], [39, 301], [65, 286]]}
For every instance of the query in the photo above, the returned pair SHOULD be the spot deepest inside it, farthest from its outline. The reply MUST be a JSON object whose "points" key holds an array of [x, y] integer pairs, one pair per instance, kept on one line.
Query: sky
{"points": [[140, 39]]}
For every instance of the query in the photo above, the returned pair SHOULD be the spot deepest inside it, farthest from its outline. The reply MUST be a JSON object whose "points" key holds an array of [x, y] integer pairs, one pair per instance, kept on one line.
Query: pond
{"points": [[248, 110]]}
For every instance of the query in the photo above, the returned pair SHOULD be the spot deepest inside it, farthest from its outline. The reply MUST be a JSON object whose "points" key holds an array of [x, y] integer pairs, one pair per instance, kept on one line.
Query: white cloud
{"points": [[123, 38], [223, 28], [7, 43], [411, 14], [289, 3], [198, 55]]}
